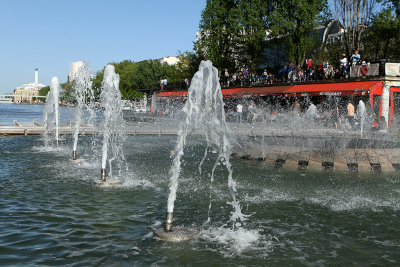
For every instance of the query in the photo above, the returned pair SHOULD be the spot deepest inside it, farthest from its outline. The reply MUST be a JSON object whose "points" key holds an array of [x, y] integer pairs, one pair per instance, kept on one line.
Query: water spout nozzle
{"points": [[74, 155], [168, 222], [103, 175], [57, 143]]}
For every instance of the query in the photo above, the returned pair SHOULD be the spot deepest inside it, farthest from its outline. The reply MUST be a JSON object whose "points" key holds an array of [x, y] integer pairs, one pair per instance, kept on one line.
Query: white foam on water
{"points": [[50, 149], [132, 181], [148, 235], [156, 224], [330, 198], [87, 164], [346, 202], [235, 241], [269, 195]]}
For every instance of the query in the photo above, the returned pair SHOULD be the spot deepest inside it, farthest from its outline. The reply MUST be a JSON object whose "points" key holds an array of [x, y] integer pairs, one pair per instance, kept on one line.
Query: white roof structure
{"points": [[32, 86], [169, 60]]}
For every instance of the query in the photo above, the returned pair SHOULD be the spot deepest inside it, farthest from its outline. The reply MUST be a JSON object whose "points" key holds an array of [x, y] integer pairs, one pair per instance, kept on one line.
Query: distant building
{"points": [[169, 60], [26, 92], [74, 69]]}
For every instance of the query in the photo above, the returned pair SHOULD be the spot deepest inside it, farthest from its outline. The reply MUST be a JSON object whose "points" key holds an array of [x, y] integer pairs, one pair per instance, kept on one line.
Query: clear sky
{"points": [[50, 34]]}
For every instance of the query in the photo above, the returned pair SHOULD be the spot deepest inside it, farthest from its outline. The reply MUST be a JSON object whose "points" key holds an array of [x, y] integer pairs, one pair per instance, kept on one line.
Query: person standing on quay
{"points": [[226, 77], [350, 114], [355, 58], [162, 84], [165, 84]]}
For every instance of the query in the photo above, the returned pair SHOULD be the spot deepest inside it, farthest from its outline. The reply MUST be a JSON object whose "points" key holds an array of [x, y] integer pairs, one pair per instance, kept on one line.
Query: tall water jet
{"points": [[204, 111], [361, 113], [50, 115], [113, 125], [82, 87]]}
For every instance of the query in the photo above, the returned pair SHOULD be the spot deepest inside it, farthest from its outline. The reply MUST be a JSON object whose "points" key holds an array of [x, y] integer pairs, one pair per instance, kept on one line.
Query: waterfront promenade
{"points": [[320, 149]]}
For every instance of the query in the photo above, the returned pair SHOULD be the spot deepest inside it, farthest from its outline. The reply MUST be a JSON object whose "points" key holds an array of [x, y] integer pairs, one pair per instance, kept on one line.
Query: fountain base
{"points": [[107, 183], [177, 233]]}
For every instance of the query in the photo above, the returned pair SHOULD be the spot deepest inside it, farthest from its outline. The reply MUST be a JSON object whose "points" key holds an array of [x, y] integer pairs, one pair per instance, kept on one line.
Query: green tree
{"points": [[354, 16], [394, 4], [66, 95], [97, 80], [383, 37], [294, 22], [188, 64], [149, 73], [218, 40], [252, 31], [126, 70], [44, 91], [139, 75]]}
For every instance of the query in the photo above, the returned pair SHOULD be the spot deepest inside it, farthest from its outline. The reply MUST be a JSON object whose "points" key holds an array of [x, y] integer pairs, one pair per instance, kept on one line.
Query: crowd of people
{"points": [[290, 73], [344, 114]]}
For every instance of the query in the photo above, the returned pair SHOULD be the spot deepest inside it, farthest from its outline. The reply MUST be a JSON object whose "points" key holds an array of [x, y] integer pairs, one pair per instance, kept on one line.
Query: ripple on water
{"points": [[52, 214]]}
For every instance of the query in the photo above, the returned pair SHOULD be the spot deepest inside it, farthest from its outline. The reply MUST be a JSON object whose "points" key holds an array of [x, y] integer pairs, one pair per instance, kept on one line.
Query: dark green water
{"points": [[51, 214]]}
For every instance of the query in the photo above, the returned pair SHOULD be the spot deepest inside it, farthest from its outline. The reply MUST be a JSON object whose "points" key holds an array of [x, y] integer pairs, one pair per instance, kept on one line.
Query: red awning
{"points": [[350, 88], [346, 88], [261, 91], [230, 92], [173, 94], [225, 93]]}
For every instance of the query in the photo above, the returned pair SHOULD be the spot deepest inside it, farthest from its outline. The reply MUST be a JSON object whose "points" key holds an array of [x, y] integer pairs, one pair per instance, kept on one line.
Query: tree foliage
{"points": [[294, 21], [147, 74], [354, 15], [218, 40], [383, 36], [188, 64], [44, 90], [233, 33], [252, 31]]}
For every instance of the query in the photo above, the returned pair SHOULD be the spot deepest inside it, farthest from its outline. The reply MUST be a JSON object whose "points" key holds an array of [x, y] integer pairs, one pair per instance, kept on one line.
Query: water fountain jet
{"points": [[204, 111], [82, 86], [50, 115], [113, 124]]}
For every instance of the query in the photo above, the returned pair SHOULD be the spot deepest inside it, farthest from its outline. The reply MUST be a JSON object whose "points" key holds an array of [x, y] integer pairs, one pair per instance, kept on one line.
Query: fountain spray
{"points": [[55, 85], [203, 109], [50, 115], [361, 113], [81, 84], [113, 124]]}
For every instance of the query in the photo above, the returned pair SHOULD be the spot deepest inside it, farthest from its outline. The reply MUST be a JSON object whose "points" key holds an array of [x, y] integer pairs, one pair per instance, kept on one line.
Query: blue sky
{"points": [[50, 34]]}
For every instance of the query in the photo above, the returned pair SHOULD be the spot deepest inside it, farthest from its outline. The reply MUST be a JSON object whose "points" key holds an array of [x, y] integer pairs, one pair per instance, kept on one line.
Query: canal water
{"points": [[52, 214]]}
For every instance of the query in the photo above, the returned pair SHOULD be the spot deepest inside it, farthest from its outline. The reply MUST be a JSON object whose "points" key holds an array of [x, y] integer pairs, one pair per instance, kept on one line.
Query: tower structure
{"points": [[36, 76]]}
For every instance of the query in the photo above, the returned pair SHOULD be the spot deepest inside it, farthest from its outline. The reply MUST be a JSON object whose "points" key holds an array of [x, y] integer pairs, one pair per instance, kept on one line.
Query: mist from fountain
{"points": [[113, 125], [50, 114], [82, 88], [204, 112]]}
